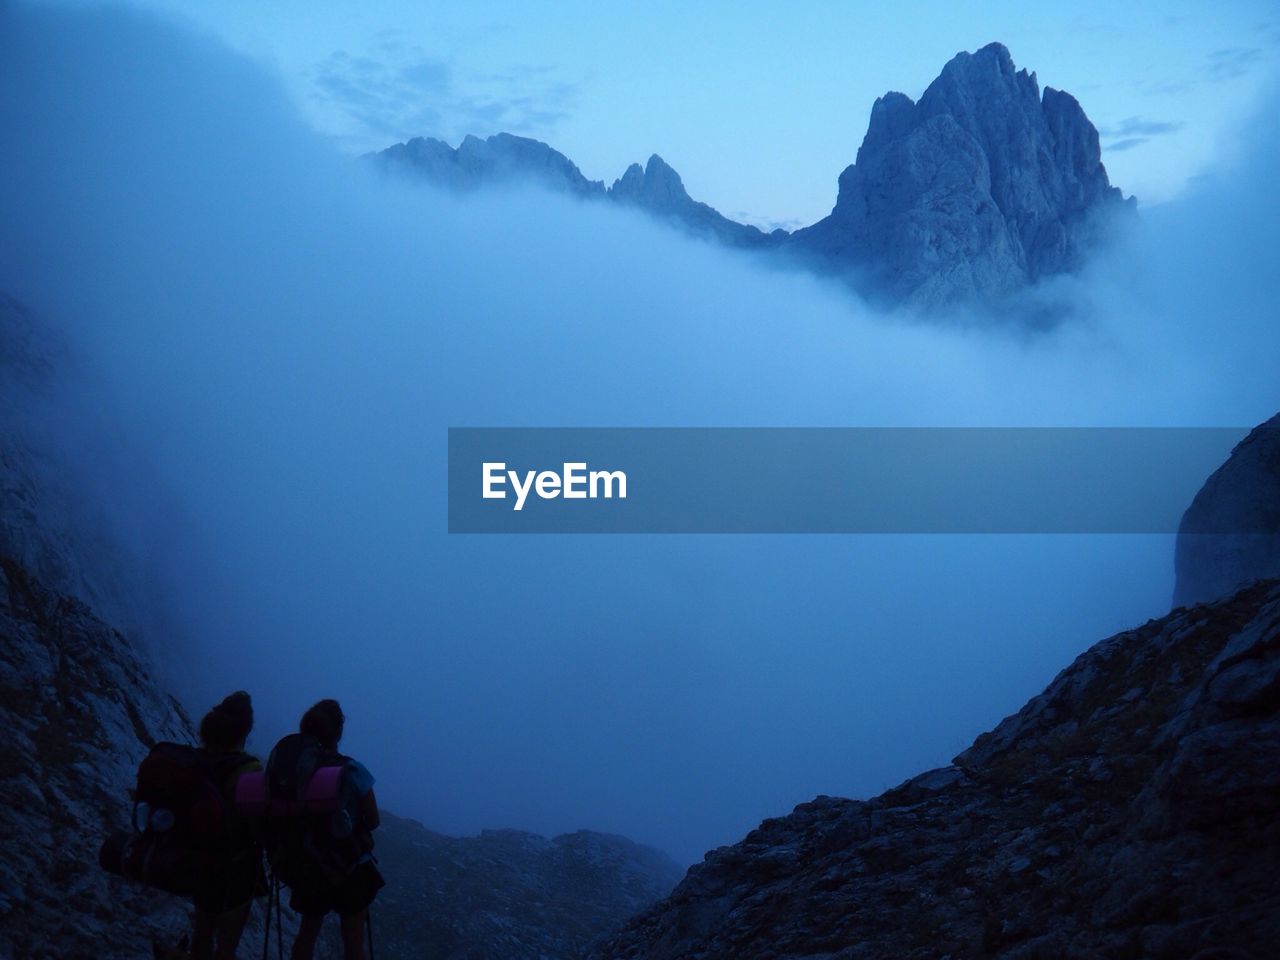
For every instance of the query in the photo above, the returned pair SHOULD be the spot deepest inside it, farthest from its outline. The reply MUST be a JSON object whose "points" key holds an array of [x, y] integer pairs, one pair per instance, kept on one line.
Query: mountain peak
{"points": [[969, 194], [983, 68], [658, 186]]}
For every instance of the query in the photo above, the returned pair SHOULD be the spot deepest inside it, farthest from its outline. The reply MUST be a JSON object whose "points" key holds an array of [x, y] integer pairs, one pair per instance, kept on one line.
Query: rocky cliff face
{"points": [[507, 894], [981, 188], [977, 190], [79, 710], [36, 501], [1230, 535], [1131, 810]]}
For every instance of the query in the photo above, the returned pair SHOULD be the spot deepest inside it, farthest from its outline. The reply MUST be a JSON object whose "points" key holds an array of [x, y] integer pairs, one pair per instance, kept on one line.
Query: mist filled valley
{"points": [[262, 341]]}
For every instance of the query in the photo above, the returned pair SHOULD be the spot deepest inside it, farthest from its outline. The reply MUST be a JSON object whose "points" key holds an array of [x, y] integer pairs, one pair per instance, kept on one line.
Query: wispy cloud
{"points": [[1139, 127], [1231, 62], [1224, 64], [395, 90], [1134, 131], [1128, 144]]}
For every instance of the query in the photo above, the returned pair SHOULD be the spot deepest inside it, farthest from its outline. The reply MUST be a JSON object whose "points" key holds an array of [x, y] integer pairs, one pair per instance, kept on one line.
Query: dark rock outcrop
{"points": [[977, 190], [79, 711], [1130, 810], [507, 894], [1230, 535]]}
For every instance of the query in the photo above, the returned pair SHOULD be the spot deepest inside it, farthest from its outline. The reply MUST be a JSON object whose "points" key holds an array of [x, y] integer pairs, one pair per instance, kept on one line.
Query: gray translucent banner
{"points": [[830, 480]]}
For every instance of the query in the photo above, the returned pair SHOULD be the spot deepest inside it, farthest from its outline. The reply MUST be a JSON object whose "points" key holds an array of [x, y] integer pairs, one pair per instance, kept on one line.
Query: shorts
{"points": [[226, 886], [353, 893]]}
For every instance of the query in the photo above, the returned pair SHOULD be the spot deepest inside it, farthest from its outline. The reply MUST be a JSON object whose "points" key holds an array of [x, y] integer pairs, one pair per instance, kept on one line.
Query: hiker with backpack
{"points": [[187, 838], [322, 848], [224, 894]]}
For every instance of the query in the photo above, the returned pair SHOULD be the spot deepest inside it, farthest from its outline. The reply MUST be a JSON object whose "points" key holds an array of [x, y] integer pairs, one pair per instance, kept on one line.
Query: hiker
{"points": [[225, 891], [326, 859]]}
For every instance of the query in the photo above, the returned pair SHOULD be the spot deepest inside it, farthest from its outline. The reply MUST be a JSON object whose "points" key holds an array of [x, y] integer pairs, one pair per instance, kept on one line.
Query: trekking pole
{"points": [[368, 929], [279, 924], [266, 926]]}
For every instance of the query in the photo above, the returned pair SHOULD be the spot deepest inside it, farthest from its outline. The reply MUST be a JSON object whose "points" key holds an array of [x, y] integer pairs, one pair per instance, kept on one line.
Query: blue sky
{"points": [[758, 105]]}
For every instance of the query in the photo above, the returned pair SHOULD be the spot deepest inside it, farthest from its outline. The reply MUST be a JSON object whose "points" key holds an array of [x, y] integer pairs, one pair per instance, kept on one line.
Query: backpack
{"points": [[184, 825], [312, 829]]}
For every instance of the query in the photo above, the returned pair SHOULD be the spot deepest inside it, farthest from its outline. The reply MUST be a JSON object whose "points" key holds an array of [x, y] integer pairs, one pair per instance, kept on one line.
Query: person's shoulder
{"points": [[360, 776]]}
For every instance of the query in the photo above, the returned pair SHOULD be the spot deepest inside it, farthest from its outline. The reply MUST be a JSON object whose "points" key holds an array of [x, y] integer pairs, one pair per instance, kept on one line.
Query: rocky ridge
{"points": [[500, 159], [978, 190], [505, 160], [1131, 810]]}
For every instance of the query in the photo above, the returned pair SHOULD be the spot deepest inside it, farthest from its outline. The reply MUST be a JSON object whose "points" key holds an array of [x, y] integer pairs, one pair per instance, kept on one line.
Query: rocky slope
{"points": [[981, 188], [506, 894], [1230, 535], [975, 191], [79, 710], [1131, 810]]}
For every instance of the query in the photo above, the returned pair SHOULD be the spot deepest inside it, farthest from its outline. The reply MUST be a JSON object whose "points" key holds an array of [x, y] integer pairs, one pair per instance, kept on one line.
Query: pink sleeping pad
{"points": [[323, 794]]}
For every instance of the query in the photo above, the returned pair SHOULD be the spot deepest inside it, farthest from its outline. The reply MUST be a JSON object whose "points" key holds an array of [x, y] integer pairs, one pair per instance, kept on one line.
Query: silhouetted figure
{"points": [[325, 854], [225, 892]]}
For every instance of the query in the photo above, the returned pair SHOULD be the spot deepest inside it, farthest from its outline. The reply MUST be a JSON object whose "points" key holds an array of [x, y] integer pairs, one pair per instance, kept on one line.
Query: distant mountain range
{"points": [[981, 188], [507, 159]]}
